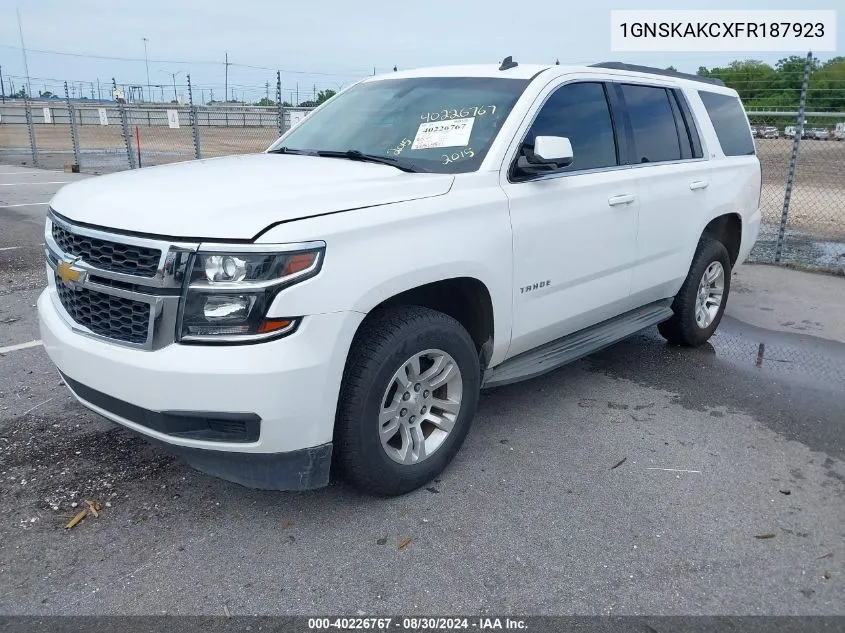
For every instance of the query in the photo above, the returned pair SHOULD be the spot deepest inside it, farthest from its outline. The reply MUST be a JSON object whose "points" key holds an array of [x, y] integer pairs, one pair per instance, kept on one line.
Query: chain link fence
{"points": [[802, 154], [800, 142]]}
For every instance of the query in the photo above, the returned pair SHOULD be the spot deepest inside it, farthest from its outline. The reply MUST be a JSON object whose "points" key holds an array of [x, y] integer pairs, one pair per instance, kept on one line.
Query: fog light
{"points": [[227, 307]]}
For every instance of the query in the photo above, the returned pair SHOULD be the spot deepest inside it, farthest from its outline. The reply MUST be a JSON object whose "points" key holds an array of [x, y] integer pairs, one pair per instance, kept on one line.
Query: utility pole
{"points": [[297, 94], [173, 77], [267, 90], [23, 49], [92, 91], [2, 86], [99, 94], [226, 87], [212, 95], [147, 64]]}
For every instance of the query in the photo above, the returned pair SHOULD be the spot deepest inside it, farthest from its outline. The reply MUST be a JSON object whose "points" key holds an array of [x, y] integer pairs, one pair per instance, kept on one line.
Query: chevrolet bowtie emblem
{"points": [[68, 274]]}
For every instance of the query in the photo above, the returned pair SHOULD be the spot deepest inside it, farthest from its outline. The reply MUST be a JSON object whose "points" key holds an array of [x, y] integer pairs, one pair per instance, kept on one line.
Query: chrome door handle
{"points": [[698, 184], [625, 198]]}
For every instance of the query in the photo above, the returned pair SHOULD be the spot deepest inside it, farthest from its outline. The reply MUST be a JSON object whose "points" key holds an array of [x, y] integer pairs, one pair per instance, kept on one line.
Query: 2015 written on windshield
{"points": [[455, 113]]}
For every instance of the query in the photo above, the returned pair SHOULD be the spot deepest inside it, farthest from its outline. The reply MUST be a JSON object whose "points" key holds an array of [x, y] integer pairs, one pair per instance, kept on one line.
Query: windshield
{"points": [[430, 124]]}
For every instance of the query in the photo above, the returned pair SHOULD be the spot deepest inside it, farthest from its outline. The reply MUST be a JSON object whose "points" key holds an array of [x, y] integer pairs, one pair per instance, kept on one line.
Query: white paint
{"points": [[19, 346], [451, 133], [48, 115], [104, 116], [9, 248], [16, 173], [24, 204], [17, 184], [173, 119], [676, 470], [298, 186], [30, 410]]}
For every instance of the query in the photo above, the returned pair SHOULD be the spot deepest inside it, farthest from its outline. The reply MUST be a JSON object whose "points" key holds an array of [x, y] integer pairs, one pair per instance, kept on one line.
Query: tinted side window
{"points": [[688, 123], [730, 123], [579, 112], [653, 124]]}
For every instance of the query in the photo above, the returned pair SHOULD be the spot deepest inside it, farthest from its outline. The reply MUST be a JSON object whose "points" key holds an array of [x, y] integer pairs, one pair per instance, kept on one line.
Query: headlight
{"points": [[229, 291]]}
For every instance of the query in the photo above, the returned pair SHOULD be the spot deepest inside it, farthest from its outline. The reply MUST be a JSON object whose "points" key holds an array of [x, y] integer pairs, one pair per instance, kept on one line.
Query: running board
{"points": [[577, 345]]}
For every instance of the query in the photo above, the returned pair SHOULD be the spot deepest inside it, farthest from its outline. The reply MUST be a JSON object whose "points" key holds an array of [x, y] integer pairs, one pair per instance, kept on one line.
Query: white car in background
{"points": [[419, 236], [769, 131], [819, 134]]}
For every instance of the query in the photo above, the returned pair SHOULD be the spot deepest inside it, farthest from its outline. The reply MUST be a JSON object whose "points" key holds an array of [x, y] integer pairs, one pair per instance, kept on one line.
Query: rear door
{"points": [[665, 151]]}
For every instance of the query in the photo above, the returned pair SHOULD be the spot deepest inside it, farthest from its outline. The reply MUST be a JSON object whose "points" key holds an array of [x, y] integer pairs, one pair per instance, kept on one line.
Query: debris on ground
{"points": [[404, 543], [381, 541], [619, 463], [93, 509], [785, 492], [826, 575], [79, 516], [764, 536], [828, 555], [287, 525]]}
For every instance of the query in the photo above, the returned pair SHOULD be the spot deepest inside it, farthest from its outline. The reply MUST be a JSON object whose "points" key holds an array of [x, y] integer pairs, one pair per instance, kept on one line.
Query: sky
{"points": [[318, 44]]}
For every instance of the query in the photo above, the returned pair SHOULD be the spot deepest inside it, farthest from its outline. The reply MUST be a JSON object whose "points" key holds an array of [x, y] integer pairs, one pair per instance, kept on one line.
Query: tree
{"points": [[264, 101], [325, 95], [46, 94], [20, 94], [672, 68]]}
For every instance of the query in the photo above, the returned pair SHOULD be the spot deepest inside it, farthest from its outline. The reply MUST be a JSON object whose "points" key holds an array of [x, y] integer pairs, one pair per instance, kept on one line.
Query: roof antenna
{"points": [[508, 63], [557, 62], [395, 69]]}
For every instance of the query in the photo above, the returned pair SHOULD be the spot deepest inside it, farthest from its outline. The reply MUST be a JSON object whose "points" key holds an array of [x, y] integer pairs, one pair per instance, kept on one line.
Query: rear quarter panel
{"points": [[735, 181]]}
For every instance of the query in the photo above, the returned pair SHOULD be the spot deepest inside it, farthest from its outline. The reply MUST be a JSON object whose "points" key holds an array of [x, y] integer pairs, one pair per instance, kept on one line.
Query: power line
{"points": [[176, 61]]}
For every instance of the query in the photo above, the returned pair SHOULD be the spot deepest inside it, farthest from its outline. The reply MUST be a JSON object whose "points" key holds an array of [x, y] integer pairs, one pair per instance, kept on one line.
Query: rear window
{"points": [[730, 123]]}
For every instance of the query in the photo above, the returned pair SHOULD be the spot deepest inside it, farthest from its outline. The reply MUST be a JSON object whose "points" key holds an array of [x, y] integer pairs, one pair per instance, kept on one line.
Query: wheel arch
{"points": [[467, 299], [726, 228]]}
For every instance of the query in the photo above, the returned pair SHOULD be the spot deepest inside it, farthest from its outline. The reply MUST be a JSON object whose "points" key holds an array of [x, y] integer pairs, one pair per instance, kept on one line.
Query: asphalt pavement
{"points": [[644, 479]]}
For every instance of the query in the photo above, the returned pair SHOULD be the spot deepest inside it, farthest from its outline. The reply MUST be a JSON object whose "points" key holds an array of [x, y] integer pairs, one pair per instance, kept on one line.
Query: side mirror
{"points": [[553, 149]]}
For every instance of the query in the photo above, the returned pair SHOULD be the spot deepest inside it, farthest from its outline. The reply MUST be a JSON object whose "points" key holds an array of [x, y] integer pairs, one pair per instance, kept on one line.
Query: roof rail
{"points": [[658, 71]]}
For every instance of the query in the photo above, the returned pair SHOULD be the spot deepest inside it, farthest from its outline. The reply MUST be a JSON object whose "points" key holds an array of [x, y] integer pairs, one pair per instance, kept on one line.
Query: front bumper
{"points": [[288, 387]]}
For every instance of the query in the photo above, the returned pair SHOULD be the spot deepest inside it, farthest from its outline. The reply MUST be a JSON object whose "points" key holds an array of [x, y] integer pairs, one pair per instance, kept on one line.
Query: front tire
{"points": [[409, 393], [700, 303]]}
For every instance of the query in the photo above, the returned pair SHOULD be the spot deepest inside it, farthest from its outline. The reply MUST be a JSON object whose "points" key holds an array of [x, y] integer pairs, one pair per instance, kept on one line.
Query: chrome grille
{"points": [[107, 315], [116, 257]]}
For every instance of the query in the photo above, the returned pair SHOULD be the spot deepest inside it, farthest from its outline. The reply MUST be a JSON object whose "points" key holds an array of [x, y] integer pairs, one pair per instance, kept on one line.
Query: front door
{"points": [[575, 231]]}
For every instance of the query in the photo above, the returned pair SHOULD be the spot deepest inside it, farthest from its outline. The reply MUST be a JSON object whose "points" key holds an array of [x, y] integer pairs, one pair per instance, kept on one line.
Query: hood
{"points": [[237, 197]]}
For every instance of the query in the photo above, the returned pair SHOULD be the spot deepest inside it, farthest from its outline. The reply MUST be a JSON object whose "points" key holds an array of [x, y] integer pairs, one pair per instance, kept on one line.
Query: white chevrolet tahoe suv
{"points": [[343, 297]]}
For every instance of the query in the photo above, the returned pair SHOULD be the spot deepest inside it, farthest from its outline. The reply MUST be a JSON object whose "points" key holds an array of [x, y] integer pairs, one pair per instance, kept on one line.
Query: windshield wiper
{"points": [[288, 150], [354, 154]]}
